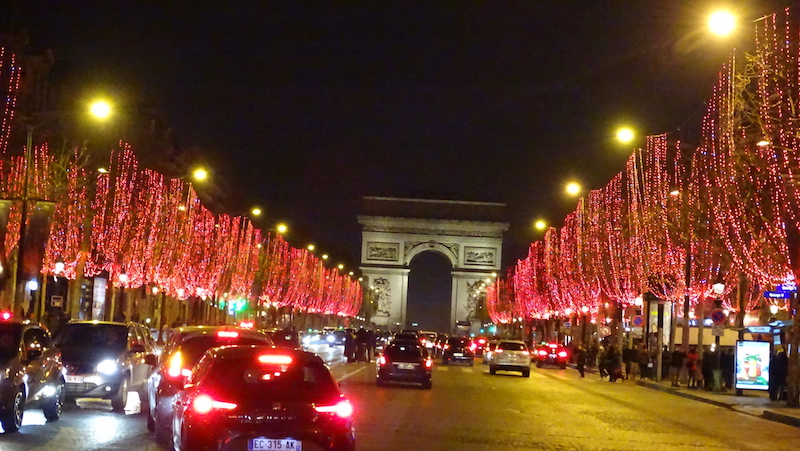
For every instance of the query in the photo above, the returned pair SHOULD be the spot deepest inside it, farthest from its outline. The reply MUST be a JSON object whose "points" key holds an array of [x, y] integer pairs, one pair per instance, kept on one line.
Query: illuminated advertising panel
{"points": [[752, 365]]}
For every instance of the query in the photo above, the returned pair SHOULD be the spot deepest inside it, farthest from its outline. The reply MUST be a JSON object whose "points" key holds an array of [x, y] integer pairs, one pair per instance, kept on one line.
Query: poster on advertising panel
{"points": [[752, 365]]}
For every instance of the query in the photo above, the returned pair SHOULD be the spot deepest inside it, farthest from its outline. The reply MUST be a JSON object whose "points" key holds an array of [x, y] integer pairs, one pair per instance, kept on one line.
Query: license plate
{"points": [[458, 354], [74, 379], [552, 356], [405, 366], [274, 444]]}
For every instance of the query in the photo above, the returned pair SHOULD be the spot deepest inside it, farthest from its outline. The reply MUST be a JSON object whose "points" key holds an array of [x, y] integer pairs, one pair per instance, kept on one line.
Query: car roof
{"points": [[511, 341], [223, 352], [188, 332], [114, 323]]}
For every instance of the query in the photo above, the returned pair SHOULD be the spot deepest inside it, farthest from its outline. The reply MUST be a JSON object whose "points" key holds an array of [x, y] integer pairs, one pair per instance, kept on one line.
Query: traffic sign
{"points": [[637, 321], [605, 331], [718, 316], [777, 294], [567, 324], [637, 332], [718, 330]]}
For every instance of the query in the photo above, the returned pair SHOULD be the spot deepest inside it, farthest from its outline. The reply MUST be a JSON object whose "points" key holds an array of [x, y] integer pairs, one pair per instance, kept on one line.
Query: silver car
{"points": [[511, 355]]}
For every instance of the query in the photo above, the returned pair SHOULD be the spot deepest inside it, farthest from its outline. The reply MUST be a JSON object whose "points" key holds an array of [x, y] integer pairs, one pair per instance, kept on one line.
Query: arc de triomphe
{"points": [[394, 231]]}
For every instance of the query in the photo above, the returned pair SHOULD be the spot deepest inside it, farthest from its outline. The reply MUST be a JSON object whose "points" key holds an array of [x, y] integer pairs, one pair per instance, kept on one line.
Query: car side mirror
{"points": [[137, 348], [151, 359], [33, 354]]}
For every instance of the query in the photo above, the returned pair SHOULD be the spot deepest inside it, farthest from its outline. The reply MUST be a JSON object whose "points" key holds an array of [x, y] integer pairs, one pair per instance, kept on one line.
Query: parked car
{"points": [[185, 348], [511, 355], [459, 349], [261, 398], [31, 371], [284, 338], [106, 360], [405, 361]]}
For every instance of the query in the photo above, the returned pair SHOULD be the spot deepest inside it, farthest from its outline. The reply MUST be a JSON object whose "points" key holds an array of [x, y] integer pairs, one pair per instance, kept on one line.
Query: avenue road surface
{"points": [[467, 409]]}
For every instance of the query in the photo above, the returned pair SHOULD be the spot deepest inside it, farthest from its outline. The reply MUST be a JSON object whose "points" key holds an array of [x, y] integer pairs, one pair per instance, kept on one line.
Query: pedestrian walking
{"points": [[676, 364], [643, 360], [580, 359], [613, 364], [778, 370], [349, 346], [726, 362], [601, 362], [707, 368], [691, 367], [628, 357]]}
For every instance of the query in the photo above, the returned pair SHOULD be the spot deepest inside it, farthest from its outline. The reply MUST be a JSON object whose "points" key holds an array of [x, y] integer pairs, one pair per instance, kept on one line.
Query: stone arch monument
{"points": [[394, 231]]}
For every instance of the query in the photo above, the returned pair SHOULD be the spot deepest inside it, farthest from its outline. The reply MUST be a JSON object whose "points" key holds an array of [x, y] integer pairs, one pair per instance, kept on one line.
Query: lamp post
{"points": [[718, 288]]}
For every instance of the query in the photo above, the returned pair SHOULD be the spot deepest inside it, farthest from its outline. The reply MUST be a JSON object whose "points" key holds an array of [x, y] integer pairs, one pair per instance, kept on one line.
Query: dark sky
{"points": [[304, 109]]}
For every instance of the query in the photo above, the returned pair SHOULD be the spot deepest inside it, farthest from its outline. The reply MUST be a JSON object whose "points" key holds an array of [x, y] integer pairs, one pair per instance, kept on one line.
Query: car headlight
{"points": [[331, 338], [107, 367]]}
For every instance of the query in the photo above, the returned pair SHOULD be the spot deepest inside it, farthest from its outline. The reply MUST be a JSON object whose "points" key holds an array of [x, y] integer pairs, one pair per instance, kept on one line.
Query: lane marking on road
{"points": [[442, 368], [351, 374], [466, 370]]}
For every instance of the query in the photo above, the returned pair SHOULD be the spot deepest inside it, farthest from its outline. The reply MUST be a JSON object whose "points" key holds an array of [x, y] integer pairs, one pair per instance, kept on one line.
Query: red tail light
{"points": [[175, 367], [204, 404], [275, 359], [553, 345], [428, 363], [481, 341], [498, 351], [542, 352], [473, 346], [382, 360], [342, 409], [562, 354], [228, 334]]}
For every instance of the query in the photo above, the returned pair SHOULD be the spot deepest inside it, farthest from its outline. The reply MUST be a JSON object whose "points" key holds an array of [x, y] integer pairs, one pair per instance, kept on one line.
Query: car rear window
{"points": [[9, 339], [246, 380], [507, 346], [106, 336], [194, 348], [458, 341], [403, 352]]}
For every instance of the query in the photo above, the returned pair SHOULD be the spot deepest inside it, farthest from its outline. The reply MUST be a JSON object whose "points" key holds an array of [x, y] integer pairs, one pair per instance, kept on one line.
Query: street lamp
{"points": [[540, 224], [625, 135], [99, 110], [573, 188], [256, 211], [200, 174], [282, 228], [722, 23]]}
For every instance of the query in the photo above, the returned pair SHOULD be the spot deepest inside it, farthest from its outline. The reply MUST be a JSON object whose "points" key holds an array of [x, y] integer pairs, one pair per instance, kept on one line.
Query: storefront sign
{"points": [[752, 365]]}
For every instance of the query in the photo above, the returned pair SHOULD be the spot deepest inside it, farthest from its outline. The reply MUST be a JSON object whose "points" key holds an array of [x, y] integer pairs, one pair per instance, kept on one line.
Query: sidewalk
{"points": [[756, 403]]}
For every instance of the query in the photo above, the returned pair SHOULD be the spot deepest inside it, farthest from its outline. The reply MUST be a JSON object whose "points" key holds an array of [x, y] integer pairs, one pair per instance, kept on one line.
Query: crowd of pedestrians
{"points": [[359, 345]]}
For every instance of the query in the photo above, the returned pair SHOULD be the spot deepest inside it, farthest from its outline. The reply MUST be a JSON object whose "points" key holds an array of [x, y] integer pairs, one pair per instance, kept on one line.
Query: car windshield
{"points": [[90, 335], [403, 352], [194, 348], [509, 346], [9, 339], [245, 380]]}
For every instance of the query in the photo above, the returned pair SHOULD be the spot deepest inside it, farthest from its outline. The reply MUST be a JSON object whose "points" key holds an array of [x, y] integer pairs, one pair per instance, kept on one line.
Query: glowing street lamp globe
{"points": [[573, 188], [625, 135], [722, 23], [100, 109]]}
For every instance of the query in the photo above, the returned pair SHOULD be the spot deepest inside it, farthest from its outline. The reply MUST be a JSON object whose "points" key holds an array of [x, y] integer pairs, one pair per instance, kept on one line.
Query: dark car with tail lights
{"points": [[405, 361], [459, 349], [551, 354], [31, 372], [261, 398], [186, 347]]}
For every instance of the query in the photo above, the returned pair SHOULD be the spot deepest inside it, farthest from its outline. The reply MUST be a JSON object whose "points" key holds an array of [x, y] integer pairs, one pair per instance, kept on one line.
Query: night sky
{"points": [[304, 109]]}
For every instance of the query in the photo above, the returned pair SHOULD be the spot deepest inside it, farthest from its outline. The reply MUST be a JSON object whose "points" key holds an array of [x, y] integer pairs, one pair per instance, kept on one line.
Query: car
{"points": [[458, 349], [405, 361], [185, 348], [105, 359], [428, 338], [441, 343], [406, 336], [511, 355], [551, 354], [480, 345], [32, 375], [487, 354], [284, 338], [261, 398]]}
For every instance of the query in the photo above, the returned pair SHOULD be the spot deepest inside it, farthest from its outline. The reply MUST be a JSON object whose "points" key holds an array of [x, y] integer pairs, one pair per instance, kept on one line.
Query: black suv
{"points": [[32, 372], [458, 349], [405, 361]]}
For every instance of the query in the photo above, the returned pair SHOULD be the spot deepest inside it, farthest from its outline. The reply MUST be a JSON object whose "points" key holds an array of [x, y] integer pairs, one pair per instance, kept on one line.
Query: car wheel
{"points": [[53, 407], [427, 385], [162, 430], [538, 364], [12, 418], [526, 373], [151, 423], [471, 362], [563, 366], [492, 369], [119, 400]]}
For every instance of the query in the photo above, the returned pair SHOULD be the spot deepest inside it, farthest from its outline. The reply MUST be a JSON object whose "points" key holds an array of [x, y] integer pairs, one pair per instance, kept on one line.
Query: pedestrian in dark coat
{"points": [[349, 346], [580, 359], [778, 370]]}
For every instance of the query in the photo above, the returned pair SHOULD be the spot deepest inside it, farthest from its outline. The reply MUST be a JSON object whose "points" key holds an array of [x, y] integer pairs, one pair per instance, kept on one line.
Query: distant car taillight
{"points": [[542, 352], [498, 351], [562, 353], [428, 363], [473, 346], [342, 409], [204, 404], [382, 360]]}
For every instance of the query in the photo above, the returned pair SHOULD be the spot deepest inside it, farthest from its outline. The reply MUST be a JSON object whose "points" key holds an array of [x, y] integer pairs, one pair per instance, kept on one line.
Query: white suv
{"points": [[511, 355]]}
